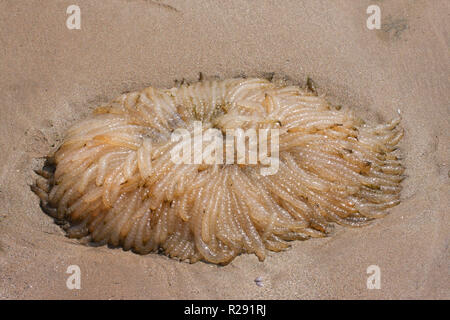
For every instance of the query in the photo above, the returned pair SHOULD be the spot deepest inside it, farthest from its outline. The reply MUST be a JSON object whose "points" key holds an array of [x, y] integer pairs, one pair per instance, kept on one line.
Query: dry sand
{"points": [[51, 76]]}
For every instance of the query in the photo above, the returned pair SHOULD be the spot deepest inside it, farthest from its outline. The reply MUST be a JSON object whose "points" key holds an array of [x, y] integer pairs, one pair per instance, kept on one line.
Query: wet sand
{"points": [[51, 76]]}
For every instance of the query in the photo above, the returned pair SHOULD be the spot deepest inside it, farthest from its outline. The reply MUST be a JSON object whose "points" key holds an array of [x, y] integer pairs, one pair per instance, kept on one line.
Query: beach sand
{"points": [[51, 76]]}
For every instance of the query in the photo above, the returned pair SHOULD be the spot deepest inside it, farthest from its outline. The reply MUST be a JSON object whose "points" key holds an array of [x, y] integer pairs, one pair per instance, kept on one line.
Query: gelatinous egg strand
{"points": [[114, 180]]}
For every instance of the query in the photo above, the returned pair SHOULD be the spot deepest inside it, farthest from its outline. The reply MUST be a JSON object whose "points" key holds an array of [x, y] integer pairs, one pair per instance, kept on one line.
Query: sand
{"points": [[51, 76]]}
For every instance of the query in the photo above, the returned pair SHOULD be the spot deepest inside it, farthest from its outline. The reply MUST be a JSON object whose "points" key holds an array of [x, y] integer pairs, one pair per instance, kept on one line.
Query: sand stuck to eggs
{"points": [[113, 180]]}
